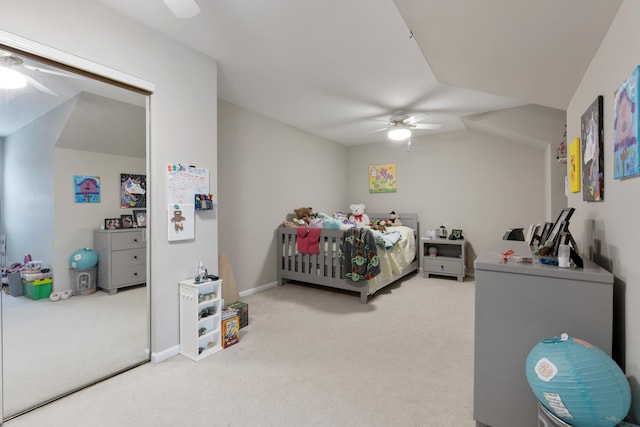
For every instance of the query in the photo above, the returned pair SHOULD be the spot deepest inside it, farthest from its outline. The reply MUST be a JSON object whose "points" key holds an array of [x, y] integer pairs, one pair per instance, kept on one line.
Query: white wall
{"points": [[75, 222], [28, 197], [478, 183], [608, 230], [266, 169], [183, 125]]}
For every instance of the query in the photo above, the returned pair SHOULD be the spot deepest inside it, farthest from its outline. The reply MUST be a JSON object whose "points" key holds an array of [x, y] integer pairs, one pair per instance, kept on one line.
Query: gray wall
{"points": [[183, 126], [266, 169], [483, 184], [75, 222], [468, 180], [27, 193], [608, 231], [46, 222]]}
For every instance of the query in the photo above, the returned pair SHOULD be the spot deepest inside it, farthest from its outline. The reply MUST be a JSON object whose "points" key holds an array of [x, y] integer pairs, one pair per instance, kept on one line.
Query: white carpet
{"points": [[53, 347], [309, 357]]}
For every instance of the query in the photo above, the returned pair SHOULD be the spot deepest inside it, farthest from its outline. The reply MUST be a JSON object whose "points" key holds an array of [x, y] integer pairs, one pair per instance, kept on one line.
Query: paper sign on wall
{"points": [[181, 221]]}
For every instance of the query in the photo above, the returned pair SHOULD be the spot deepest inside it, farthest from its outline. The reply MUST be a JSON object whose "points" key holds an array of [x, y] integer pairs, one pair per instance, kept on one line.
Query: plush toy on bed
{"points": [[358, 216], [380, 224], [304, 216], [394, 219]]}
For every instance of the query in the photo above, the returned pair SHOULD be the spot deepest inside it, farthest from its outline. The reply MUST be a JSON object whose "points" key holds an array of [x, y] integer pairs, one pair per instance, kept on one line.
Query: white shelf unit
{"points": [[200, 313]]}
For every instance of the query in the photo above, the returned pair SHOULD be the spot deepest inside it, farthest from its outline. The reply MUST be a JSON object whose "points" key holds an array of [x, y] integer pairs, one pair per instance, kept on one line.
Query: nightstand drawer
{"points": [[437, 265]]}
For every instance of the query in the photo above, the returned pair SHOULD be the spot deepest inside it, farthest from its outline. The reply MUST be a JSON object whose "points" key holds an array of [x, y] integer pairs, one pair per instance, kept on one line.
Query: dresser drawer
{"points": [[128, 240], [128, 257], [129, 274], [442, 266]]}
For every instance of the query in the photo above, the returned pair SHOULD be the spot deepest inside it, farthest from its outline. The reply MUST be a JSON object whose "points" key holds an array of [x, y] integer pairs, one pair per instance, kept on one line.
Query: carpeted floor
{"points": [[309, 357], [52, 347]]}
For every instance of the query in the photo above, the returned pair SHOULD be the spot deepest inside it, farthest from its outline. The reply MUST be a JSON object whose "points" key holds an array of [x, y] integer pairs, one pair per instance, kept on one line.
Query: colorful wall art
{"points": [[574, 165], [592, 152], [626, 161], [87, 188], [382, 178], [133, 191]]}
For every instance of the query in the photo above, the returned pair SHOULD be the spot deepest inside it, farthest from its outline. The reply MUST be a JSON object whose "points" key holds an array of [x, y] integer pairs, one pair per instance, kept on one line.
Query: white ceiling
{"points": [[20, 107], [338, 69]]}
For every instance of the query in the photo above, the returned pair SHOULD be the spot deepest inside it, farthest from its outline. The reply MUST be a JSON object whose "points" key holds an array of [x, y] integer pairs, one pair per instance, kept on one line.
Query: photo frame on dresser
{"points": [[112, 223], [126, 221], [544, 234], [554, 234], [140, 217]]}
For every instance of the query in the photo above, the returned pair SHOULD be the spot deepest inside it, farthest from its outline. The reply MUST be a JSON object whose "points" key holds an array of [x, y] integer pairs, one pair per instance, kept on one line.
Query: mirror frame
{"points": [[108, 75]]}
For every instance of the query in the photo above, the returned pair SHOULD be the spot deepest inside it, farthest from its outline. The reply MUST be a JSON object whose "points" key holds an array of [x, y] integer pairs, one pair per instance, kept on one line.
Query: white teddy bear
{"points": [[358, 216]]}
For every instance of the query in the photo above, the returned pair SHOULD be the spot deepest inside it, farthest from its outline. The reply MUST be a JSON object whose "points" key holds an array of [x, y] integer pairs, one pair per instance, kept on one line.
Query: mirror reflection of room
{"points": [[74, 300]]}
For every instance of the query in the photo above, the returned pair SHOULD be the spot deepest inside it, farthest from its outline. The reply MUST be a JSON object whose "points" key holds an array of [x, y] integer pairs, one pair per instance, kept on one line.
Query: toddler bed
{"points": [[325, 268]]}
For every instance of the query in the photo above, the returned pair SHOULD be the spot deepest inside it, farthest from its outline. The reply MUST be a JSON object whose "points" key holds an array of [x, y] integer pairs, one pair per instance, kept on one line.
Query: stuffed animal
{"points": [[304, 216], [358, 216], [380, 224], [394, 219]]}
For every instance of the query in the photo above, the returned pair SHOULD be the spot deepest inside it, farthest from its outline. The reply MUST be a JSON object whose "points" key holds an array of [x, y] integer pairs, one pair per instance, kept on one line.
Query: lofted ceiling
{"points": [[340, 69]]}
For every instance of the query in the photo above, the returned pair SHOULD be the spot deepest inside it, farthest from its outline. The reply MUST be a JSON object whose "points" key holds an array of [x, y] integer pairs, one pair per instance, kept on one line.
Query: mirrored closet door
{"points": [[67, 141]]}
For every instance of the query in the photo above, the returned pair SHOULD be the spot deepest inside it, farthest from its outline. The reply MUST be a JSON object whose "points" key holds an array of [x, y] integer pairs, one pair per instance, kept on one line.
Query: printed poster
{"points": [[382, 178]]}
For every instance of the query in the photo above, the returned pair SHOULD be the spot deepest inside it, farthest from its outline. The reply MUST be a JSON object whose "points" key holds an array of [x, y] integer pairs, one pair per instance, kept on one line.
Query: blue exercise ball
{"points": [[578, 382], [83, 259]]}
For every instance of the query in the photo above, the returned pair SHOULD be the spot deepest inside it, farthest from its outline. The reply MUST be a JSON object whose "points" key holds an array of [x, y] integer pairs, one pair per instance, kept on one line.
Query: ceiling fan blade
{"points": [[381, 129], [427, 126], [183, 8], [416, 118], [42, 88], [44, 70]]}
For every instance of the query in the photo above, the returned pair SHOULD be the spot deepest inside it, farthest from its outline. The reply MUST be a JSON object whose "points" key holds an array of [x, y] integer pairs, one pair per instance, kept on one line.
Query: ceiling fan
{"points": [[400, 125], [183, 8], [12, 78]]}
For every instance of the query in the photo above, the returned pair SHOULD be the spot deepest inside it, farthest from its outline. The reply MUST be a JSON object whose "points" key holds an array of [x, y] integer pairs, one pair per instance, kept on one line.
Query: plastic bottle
{"points": [[202, 272]]}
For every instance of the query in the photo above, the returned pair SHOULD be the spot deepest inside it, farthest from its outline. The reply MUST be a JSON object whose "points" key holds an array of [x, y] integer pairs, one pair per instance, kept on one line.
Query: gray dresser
{"points": [[516, 306], [122, 258]]}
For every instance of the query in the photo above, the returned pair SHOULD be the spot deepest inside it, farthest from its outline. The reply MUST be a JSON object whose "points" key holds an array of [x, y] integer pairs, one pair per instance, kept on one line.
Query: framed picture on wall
{"points": [[133, 191], [591, 138], [626, 130]]}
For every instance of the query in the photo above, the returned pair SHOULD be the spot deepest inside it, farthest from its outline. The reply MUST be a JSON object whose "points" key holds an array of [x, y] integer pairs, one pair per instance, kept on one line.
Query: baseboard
{"points": [[258, 289], [165, 354]]}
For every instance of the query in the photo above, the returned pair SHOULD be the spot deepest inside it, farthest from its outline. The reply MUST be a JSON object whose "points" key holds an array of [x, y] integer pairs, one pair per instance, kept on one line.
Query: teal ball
{"points": [[83, 259], [578, 382]]}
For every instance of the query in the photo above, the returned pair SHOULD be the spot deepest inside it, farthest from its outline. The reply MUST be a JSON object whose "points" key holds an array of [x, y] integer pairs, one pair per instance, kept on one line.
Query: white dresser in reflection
{"points": [[122, 258]]}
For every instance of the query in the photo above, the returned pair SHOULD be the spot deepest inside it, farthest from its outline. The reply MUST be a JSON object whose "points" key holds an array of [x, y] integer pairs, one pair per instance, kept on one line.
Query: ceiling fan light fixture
{"points": [[11, 79], [399, 133]]}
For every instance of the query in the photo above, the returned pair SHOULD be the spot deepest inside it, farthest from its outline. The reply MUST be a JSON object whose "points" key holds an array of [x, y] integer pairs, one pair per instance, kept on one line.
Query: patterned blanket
{"points": [[359, 255]]}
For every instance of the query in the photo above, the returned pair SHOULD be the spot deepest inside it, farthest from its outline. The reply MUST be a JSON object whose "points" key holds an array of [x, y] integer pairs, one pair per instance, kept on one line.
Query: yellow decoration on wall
{"points": [[382, 178], [574, 166]]}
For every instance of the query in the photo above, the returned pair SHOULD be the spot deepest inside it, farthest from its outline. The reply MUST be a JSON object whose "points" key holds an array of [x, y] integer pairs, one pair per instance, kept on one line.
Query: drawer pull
{"points": [[135, 257], [135, 274], [135, 240]]}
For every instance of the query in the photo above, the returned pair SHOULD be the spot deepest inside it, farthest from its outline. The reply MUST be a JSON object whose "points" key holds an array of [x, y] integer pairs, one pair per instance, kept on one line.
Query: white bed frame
{"points": [[324, 268]]}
